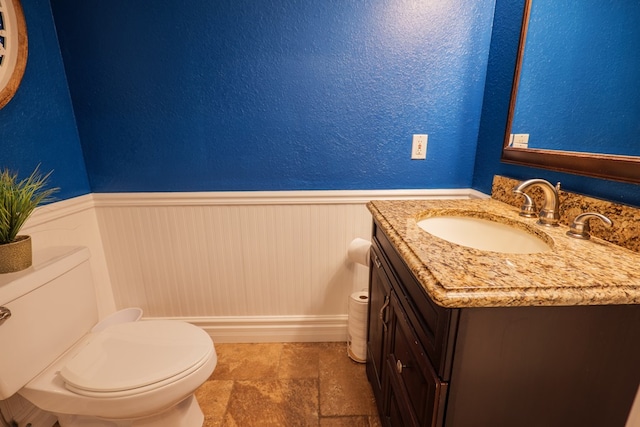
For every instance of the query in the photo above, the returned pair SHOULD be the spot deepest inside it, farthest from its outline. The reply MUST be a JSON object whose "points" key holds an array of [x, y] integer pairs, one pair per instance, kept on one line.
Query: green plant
{"points": [[18, 199]]}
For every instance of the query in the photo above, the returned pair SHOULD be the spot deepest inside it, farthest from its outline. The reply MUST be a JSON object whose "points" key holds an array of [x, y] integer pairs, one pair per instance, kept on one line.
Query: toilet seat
{"points": [[135, 357]]}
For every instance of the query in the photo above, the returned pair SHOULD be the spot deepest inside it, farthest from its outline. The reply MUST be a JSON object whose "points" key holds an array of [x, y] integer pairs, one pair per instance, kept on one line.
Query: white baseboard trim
{"points": [[254, 329]]}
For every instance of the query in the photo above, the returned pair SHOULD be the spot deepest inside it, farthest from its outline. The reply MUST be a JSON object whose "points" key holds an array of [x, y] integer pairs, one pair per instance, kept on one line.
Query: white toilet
{"points": [[116, 373]]}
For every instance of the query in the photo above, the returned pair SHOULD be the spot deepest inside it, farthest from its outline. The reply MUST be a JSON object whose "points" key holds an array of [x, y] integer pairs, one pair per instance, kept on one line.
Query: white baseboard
{"points": [[254, 329]]}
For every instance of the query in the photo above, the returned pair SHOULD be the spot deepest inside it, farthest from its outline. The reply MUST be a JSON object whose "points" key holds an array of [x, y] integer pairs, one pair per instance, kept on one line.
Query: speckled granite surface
{"points": [[572, 272], [626, 219]]}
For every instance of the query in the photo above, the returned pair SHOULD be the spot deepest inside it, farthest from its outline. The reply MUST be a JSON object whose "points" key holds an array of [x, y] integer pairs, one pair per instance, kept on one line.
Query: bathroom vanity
{"points": [[464, 337]]}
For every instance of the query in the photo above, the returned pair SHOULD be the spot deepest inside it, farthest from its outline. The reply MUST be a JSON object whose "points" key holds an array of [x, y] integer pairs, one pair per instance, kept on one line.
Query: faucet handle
{"points": [[580, 227], [528, 208]]}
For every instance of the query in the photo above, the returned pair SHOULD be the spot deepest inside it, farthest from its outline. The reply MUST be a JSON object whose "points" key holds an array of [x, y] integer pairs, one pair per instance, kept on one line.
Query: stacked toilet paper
{"points": [[357, 326], [358, 252]]}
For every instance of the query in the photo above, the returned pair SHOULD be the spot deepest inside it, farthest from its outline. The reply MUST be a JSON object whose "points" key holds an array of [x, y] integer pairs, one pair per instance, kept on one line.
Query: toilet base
{"points": [[185, 414]]}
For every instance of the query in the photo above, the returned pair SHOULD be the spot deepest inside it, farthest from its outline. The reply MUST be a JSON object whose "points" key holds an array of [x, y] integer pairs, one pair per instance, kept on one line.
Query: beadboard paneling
{"points": [[239, 255], [182, 261], [73, 222]]}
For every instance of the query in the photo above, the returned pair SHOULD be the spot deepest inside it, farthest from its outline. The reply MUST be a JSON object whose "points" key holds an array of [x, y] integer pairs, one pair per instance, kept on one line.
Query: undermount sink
{"points": [[483, 234]]}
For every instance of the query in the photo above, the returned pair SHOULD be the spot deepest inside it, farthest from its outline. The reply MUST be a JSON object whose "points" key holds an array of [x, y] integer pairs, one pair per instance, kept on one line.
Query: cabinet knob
{"points": [[400, 366]]}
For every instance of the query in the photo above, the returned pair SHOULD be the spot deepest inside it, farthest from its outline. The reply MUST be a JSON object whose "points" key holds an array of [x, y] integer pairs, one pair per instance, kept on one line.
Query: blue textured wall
{"points": [[275, 95], [579, 88], [153, 120], [504, 43], [37, 126]]}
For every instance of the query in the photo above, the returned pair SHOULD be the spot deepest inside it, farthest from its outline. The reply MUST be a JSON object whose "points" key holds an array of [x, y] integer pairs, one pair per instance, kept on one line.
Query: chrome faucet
{"points": [[549, 215]]}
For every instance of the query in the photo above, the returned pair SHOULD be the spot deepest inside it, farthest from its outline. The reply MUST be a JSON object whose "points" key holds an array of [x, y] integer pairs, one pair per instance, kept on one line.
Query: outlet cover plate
{"points": [[419, 147]]}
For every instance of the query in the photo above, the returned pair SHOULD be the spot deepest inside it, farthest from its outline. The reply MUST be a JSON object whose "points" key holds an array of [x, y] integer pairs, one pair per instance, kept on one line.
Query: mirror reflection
{"points": [[579, 88], [575, 100]]}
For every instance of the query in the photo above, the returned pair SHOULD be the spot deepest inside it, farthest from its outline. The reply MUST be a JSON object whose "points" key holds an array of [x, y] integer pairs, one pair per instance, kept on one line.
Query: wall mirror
{"points": [[13, 48], [575, 99]]}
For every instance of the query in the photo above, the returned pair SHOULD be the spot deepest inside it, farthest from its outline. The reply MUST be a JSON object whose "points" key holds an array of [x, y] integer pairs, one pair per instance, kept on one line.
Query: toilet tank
{"points": [[52, 304]]}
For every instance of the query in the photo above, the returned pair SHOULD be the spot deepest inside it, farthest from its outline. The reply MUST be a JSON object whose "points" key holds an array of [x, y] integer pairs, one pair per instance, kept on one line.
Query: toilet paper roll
{"points": [[357, 326], [358, 251]]}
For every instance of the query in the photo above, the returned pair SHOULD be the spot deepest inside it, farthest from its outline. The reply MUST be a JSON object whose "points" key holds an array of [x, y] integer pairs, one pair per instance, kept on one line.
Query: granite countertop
{"points": [[572, 272]]}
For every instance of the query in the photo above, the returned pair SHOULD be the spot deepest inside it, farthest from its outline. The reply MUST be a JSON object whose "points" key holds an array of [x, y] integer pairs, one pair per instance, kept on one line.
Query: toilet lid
{"points": [[136, 354]]}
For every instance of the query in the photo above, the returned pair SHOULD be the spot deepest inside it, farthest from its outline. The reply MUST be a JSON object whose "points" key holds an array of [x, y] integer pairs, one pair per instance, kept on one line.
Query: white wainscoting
{"points": [[73, 222], [246, 266]]}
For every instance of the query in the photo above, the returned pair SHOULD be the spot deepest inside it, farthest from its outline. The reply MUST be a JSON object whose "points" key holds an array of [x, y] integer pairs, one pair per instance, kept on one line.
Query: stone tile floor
{"points": [[287, 384]]}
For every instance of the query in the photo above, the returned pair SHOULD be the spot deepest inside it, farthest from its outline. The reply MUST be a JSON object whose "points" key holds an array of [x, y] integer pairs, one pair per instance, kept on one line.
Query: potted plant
{"points": [[18, 199]]}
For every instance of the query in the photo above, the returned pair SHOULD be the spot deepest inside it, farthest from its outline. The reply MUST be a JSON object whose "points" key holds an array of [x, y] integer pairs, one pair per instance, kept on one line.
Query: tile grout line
{"points": [[318, 385]]}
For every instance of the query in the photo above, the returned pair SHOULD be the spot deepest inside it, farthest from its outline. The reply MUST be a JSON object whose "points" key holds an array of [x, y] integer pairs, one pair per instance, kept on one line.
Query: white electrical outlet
{"points": [[419, 147]]}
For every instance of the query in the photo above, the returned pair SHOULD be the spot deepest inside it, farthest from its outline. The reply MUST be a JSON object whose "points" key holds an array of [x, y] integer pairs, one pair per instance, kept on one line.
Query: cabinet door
{"points": [[379, 300], [416, 392], [435, 326]]}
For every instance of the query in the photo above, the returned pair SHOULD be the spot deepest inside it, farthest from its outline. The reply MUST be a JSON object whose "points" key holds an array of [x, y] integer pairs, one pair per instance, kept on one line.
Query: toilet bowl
{"points": [[117, 373], [125, 372]]}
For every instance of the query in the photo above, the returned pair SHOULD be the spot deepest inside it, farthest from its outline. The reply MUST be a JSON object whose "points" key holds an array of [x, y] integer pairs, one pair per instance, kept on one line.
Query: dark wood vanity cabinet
{"points": [[416, 393], [494, 366], [408, 387]]}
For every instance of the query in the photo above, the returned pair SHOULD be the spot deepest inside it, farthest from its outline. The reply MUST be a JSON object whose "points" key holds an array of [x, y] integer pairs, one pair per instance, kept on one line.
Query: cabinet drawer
{"points": [[434, 324], [415, 389]]}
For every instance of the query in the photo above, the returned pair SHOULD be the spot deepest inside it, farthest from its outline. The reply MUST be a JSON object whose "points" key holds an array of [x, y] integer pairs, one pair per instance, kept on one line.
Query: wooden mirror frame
{"points": [[607, 166], [12, 84]]}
